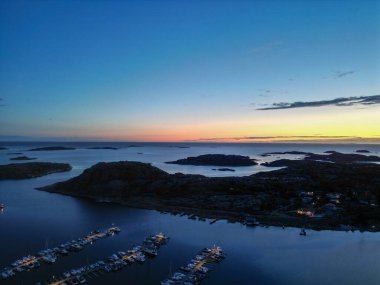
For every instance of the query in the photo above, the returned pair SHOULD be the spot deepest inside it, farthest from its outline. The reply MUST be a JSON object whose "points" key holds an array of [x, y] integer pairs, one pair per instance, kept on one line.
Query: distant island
{"points": [[363, 151], [310, 193], [103, 147], [3, 148], [216, 160], [224, 169], [31, 169], [51, 148], [330, 156], [23, 157]]}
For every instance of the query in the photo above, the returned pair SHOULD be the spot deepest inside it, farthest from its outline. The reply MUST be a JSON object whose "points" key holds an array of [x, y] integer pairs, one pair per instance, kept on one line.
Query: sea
{"points": [[33, 220]]}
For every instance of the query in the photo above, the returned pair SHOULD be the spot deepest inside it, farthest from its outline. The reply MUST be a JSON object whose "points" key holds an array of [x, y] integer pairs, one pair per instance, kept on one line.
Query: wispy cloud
{"points": [[340, 102], [339, 74], [1, 100], [293, 138], [280, 137]]}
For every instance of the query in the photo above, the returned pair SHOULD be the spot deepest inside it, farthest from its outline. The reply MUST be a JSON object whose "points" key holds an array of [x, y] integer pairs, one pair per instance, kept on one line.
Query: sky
{"points": [[232, 71]]}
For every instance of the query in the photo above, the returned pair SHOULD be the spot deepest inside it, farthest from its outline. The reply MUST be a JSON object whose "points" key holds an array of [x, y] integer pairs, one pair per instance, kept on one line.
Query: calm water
{"points": [[33, 220]]}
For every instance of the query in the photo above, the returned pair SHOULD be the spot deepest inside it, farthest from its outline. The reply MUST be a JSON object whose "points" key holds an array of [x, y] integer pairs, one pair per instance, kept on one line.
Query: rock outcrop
{"points": [[216, 160]]}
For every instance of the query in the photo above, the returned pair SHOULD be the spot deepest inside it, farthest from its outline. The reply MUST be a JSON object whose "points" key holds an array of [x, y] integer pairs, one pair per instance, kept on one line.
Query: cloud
{"points": [[293, 138], [340, 102], [280, 137], [344, 73]]}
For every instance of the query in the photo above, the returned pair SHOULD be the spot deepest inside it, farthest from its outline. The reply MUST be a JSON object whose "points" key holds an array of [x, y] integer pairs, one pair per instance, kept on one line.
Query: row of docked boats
{"points": [[50, 255], [113, 263], [196, 270]]}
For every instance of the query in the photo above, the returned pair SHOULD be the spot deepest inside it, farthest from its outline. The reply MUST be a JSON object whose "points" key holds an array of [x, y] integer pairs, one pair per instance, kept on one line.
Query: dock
{"points": [[116, 262], [50, 255], [198, 268]]}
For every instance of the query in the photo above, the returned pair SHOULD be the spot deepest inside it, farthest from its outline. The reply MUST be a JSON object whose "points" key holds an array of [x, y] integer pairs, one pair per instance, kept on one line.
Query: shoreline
{"points": [[229, 216]]}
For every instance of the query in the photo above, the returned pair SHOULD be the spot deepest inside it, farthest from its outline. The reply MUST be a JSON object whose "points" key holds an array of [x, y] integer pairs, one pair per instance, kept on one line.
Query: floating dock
{"points": [[51, 255], [195, 271], [115, 262]]}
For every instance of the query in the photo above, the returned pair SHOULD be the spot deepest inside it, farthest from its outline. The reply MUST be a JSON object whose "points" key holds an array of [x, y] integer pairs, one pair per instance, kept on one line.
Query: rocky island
{"points": [[51, 148], [31, 169], [216, 160], [304, 193], [23, 157], [103, 147]]}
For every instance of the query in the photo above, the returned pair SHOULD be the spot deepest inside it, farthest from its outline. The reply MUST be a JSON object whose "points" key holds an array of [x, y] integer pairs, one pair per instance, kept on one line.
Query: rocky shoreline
{"points": [[306, 193]]}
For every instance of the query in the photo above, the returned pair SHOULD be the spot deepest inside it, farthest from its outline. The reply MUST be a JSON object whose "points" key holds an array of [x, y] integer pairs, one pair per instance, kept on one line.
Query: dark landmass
{"points": [[2, 148], [334, 195], [363, 151], [334, 156], [22, 158], [50, 148], [216, 160], [223, 169], [31, 169], [286, 152], [103, 147], [134, 145], [14, 153], [329, 156]]}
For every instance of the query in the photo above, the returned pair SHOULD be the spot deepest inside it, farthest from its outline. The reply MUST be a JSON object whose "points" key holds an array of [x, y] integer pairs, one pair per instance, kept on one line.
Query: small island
{"points": [[304, 193], [216, 160], [23, 157], [363, 151], [51, 148], [103, 147], [3, 148], [31, 169], [224, 169]]}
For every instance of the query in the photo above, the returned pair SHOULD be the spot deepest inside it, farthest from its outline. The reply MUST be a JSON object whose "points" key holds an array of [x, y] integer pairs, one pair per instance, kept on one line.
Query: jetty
{"points": [[50, 255], [196, 271], [117, 261]]}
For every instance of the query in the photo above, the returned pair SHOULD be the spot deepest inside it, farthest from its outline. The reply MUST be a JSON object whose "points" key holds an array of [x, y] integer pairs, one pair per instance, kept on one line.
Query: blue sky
{"points": [[185, 70]]}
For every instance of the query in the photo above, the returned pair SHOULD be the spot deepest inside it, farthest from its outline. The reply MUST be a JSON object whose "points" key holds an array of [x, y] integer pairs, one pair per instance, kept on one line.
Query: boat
{"points": [[81, 279], [303, 232], [2, 206]]}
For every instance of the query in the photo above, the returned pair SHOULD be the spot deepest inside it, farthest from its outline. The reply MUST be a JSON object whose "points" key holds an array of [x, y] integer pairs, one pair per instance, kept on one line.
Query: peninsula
{"points": [[309, 193]]}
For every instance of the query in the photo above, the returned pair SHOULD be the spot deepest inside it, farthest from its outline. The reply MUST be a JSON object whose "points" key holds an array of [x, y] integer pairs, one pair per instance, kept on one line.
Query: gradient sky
{"points": [[188, 70]]}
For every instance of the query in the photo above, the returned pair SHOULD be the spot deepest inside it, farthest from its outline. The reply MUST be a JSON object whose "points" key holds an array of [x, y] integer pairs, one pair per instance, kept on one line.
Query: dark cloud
{"points": [[293, 139], [344, 73], [301, 137], [340, 102]]}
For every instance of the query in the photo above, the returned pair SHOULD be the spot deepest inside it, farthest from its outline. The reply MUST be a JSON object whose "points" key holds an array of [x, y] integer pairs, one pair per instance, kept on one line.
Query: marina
{"points": [[113, 263], [50, 255], [195, 271]]}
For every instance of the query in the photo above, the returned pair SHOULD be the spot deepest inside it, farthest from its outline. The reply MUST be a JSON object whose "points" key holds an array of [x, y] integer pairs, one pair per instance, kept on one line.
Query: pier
{"points": [[50, 255], [197, 269], [115, 262]]}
